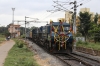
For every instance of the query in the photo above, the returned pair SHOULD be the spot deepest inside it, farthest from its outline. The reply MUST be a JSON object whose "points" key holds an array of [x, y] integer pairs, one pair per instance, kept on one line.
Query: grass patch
{"points": [[95, 46], [20, 56], [2, 38]]}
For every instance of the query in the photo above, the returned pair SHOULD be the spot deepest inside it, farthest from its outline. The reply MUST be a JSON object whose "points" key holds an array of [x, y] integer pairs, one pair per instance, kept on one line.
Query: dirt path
{"points": [[4, 48]]}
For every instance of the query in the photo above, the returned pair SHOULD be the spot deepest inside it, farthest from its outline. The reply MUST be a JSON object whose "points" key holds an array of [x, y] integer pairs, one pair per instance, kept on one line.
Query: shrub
{"points": [[85, 43], [19, 43], [23, 36], [79, 42]]}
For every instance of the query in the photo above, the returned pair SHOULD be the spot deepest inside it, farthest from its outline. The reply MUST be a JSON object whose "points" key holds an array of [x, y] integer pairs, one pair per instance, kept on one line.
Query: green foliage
{"points": [[78, 34], [86, 43], [23, 36], [80, 42], [96, 18], [22, 30], [19, 43], [20, 57], [32, 27], [2, 38], [3, 30], [95, 29], [90, 45], [95, 32], [7, 34], [85, 20]]}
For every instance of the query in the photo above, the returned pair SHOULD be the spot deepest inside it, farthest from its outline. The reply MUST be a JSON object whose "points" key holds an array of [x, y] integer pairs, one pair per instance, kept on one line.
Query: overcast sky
{"points": [[38, 9]]}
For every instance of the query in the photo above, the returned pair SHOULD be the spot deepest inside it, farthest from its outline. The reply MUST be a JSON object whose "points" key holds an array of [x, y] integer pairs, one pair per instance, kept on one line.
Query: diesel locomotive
{"points": [[56, 37]]}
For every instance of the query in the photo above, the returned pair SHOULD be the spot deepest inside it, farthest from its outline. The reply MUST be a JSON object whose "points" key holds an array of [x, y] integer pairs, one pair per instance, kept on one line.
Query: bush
{"points": [[85, 43], [78, 35], [79, 42], [19, 43], [23, 36]]}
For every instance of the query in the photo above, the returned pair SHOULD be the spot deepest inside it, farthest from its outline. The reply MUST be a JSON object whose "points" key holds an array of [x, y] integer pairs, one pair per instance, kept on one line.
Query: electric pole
{"points": [[74, 26], [74, 21], [26, 23], [74, 14], [25, 28], [13, 9]]}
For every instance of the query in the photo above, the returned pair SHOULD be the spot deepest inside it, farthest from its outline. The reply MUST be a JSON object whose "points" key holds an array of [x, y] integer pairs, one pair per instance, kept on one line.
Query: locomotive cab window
{"points": [[66, 28]]}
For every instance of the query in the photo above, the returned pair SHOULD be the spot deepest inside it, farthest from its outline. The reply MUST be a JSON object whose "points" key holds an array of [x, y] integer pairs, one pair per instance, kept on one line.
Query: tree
{"points": [[95, 32], [96, 18], [3, 30], [85, 20], [95, 29], [32, 27]]}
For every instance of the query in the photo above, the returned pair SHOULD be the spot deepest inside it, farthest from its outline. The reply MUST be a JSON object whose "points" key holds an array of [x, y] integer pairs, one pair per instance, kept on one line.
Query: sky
{"points": [[38, 9]]}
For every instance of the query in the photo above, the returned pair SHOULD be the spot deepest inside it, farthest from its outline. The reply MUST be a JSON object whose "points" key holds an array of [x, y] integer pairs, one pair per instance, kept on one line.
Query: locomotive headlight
{"points": [[69, 31], [61, 45]]}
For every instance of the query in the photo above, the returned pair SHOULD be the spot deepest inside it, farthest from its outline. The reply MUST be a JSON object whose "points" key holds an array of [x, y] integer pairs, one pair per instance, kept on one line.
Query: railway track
{"points": [[90, 61], [77, 60]]}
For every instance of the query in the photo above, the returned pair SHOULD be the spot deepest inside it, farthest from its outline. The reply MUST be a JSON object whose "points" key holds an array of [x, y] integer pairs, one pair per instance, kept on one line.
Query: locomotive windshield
{"points": [[66, 28]]}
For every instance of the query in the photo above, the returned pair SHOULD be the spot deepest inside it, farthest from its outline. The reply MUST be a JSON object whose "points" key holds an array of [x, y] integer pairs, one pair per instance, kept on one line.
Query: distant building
{"points": [[85, 10], [88, 10], [68, 16], [14, 30]]}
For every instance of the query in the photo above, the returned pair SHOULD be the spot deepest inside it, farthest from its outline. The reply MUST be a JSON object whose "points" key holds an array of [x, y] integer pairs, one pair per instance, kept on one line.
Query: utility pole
{"points": [[74, 21], [13, 9], [26, 23], [25, 28], [74, 24], [75, 9]]}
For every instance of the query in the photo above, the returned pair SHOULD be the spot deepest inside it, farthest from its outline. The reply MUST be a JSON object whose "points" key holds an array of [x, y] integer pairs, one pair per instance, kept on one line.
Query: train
{"points": [[56, 37]]}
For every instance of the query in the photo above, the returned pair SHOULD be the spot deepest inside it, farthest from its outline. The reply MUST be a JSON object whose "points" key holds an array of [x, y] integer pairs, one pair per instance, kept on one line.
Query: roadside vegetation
{"points": [[94, 46], [20, 55], [2, 38], [89, 28]]}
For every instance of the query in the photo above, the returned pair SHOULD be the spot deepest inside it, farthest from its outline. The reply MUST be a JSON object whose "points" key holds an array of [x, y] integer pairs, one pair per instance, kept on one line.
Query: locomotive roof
{"points": [[58, 23]]}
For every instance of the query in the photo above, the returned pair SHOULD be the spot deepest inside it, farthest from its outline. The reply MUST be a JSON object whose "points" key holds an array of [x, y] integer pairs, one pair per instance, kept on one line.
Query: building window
{"points": [[16, 28]]}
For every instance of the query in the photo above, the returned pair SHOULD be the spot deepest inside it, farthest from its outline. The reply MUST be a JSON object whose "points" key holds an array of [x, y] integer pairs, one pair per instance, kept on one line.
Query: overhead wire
{"points": [[62, 7], [52, 13], [87, 1], [56, 12], [48, 15], [45, 13]]}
